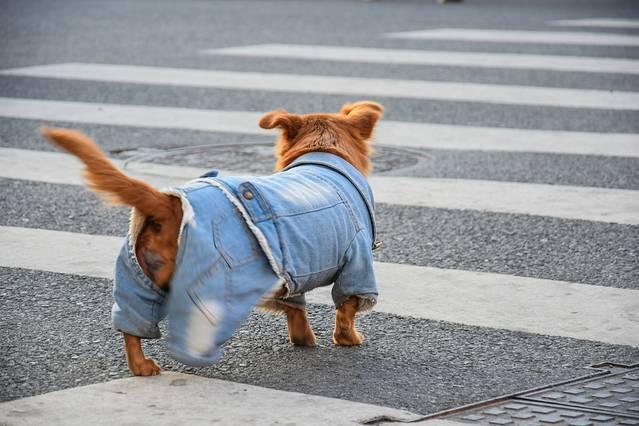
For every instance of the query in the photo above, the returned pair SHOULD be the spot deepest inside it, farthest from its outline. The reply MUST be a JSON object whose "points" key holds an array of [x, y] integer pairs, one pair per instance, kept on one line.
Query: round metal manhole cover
{"points": [[256, 159]]}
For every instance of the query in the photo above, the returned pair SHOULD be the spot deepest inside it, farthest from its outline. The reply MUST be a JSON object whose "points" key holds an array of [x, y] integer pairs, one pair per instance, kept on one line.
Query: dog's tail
{"points": [[103, 177]]}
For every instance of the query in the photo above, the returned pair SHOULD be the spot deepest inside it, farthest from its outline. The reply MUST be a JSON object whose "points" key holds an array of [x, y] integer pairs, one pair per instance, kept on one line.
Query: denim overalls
{"points": [[242, 238]]}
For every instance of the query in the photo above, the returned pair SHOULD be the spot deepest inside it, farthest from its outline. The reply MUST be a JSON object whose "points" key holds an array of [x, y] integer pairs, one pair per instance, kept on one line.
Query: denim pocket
{"points": [[235, 241], [209, 294], [194, 328]]}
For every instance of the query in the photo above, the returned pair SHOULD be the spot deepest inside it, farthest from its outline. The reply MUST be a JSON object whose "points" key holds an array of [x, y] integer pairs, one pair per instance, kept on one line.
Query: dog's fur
{"points": [[344, 134]]}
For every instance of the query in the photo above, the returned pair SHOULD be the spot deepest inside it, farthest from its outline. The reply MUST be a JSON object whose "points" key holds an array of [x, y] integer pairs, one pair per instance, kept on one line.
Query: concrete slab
{"points": [[181, 399]]}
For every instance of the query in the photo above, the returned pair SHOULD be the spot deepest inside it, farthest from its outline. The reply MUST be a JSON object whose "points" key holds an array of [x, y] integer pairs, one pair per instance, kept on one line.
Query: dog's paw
{"points": [[148, 367], [307, 338], [348, 337]]}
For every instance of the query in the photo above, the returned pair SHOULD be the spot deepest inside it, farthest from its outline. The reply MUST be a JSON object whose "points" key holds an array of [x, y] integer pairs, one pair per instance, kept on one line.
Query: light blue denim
{"points": [[308, 226]]}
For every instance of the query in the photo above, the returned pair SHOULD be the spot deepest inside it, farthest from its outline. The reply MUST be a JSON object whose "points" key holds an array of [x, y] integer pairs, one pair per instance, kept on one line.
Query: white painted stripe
{"points": [[475, 298], [368, 87], [61, 252], [430, 57], [181, 399], [59, 168], [555, 308], [472, 138], [567, 202], [505, 36], [132, 115], [389, 133], [598, 23]]}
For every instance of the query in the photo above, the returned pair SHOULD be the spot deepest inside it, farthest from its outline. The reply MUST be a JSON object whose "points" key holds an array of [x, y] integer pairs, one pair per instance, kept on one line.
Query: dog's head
{"points": [[345, 134]]}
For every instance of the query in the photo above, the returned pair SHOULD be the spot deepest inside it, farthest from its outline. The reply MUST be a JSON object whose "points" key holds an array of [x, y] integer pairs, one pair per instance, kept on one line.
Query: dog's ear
{"points": [[363, 115], [348, 108], [289, 123]]}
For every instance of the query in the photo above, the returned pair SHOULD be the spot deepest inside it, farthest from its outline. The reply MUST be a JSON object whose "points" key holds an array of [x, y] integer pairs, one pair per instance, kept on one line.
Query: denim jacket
{"points": [[242, 238]]}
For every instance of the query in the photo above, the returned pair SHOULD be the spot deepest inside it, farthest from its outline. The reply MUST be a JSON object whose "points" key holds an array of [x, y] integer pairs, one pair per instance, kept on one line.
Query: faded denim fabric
{"points": [[308, 226]]}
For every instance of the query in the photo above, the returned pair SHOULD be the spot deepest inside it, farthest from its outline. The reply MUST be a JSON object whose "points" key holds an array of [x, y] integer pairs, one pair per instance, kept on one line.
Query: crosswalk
{"points": [[526, 37], [465, 297], [389, 133], [377, 87], [514, 303], [434, 57], [598, 23], [568, 202]]}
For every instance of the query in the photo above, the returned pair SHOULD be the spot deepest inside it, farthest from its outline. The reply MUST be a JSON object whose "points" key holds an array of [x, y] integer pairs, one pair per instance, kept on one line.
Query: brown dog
{"points": [[344, 134]]}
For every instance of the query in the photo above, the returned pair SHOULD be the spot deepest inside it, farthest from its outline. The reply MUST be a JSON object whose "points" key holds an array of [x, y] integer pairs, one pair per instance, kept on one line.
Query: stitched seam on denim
{"points": [[356, 223], [303, 212], [197, 301], [227, 263], [225, 253], [198, 283], [371, 301], [285, 265], [350, 245], [259, 235], [183, 252], [300, 211], [343, 262]]}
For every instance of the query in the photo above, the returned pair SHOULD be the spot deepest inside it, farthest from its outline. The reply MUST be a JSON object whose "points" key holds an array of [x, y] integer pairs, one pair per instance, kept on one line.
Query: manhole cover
{"points": [[258, 159]]}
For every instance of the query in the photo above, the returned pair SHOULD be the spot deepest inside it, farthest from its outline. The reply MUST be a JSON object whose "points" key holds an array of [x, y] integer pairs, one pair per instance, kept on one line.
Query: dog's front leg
{"points": [[345, 333], [138, 365]]}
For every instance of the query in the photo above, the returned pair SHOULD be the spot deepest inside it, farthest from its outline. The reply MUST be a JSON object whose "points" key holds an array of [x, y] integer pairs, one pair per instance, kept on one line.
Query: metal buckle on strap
{"points": [[377, 245]]}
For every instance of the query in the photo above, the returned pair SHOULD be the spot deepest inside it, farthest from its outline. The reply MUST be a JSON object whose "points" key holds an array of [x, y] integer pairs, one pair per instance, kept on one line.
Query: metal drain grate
{"points": [[521, 412], [618, 393], [609, 397]]}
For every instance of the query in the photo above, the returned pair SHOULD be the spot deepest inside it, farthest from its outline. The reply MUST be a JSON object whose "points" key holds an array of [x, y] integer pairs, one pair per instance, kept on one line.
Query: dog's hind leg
{"points": [[345, 333], [300, 331]]}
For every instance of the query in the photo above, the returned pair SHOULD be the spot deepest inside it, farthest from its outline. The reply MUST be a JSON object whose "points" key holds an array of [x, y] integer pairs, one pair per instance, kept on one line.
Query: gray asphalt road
{"points": [[55, 329], [63, 335]]}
